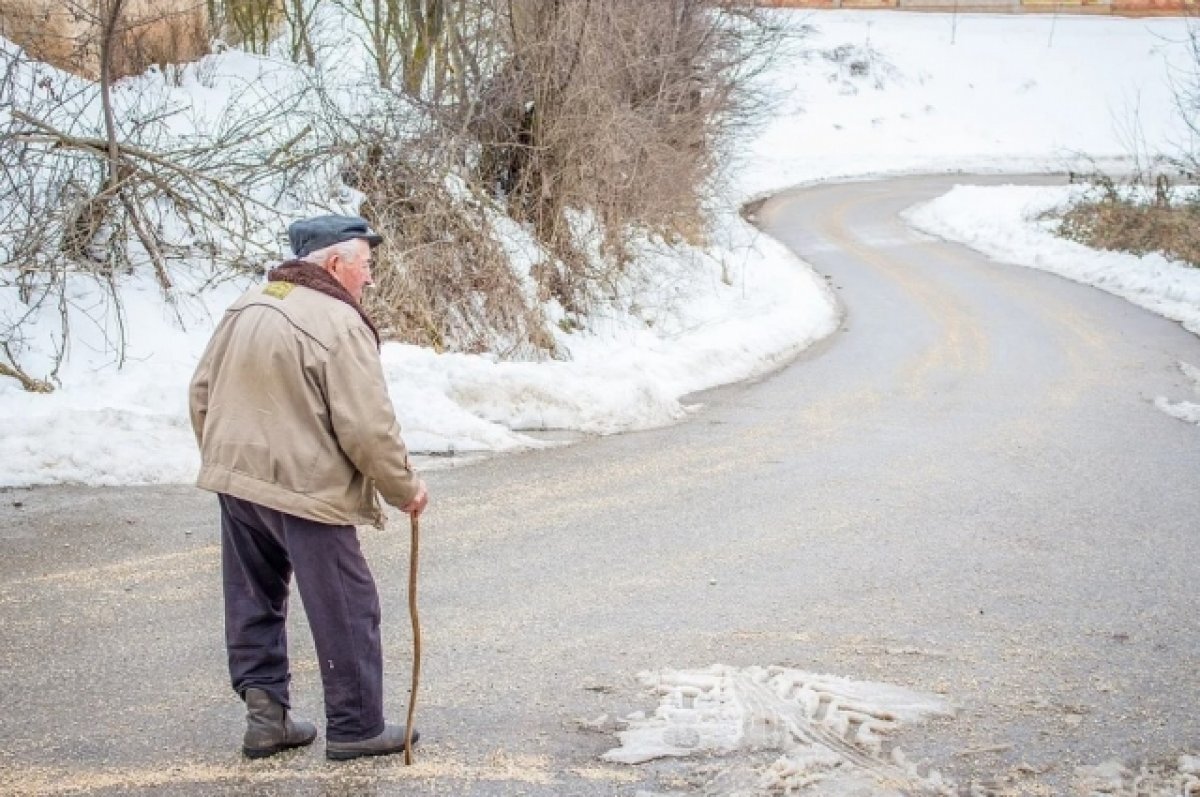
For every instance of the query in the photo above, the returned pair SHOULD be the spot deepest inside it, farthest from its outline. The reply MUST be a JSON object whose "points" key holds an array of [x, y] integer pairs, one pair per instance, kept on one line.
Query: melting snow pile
{"points": [[1183, 410], [825, 729]]}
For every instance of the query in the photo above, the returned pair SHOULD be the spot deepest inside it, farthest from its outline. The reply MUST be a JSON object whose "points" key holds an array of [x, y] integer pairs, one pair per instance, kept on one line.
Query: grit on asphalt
{"points": [[966, 491]]}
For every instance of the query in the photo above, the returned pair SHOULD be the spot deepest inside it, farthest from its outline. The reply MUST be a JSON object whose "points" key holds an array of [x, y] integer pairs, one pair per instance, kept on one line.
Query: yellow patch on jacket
{"points": [[279, 290]]}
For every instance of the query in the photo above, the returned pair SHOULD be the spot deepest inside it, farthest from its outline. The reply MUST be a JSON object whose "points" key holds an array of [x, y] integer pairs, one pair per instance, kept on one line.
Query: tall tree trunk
{"points": [[108, 38]]}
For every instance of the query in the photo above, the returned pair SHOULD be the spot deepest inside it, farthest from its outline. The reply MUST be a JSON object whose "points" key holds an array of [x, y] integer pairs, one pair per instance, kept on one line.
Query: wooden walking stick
{"points": [[416, 627]]}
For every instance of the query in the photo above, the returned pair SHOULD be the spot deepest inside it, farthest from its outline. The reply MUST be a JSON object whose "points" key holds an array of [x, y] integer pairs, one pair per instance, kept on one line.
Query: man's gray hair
{"points": [[343, 249]]}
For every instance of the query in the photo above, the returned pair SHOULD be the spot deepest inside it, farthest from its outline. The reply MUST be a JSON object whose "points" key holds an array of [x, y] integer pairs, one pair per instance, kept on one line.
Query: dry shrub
{"points": [[45, 29], [616, 108], [442, 279], [67, 34], [1112, 220], [169, 37]]}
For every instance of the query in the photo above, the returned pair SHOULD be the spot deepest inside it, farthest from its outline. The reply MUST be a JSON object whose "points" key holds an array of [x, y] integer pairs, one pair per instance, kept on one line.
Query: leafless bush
{"points": [[443, 278], [617, 108], [1120, 218], [584, 120], [97, 196]]}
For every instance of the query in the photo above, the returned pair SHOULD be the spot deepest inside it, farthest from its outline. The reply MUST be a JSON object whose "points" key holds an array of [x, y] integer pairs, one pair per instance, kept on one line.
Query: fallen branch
{"points": [[27, 382], [127, 152]]}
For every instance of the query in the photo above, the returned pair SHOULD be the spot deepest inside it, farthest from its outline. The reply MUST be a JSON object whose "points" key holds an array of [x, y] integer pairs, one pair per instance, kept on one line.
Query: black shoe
{"points": [[269, 729], [387, 743]]}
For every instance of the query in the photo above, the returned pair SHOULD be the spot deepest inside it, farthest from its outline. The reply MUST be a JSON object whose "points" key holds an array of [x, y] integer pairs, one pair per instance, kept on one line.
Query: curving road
{"points": [[966, 490]]}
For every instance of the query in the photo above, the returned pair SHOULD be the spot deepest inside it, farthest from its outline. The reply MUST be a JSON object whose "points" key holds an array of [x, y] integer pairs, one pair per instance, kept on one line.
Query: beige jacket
{"points": [[291, 410]]}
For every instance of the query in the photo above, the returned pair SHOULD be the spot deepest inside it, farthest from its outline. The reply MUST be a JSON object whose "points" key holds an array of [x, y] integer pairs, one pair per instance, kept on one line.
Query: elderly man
{"points": [[297, 436]]}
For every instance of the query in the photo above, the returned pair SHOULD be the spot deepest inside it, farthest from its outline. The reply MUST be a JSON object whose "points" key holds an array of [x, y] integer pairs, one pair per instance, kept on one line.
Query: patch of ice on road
{"points": [[1188, 411], [826, 729]]}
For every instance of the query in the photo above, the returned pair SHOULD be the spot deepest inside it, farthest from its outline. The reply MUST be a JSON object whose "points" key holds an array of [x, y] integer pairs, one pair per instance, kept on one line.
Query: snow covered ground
{"points": [[860, 94]]}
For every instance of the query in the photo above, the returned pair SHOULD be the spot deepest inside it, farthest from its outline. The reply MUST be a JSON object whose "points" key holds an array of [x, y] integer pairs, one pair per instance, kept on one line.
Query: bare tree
{"points": [[299, 15], [1187, 104], [413, 43], [97, 196], [251, 24]]}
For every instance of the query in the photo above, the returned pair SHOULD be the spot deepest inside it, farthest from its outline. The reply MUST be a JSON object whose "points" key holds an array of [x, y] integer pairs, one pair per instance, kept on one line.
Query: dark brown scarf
{"points": [[309, 275]]}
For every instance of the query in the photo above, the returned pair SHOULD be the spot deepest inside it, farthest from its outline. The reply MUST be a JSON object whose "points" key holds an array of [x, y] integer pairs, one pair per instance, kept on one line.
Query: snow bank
{"points": [[1008, 223]]}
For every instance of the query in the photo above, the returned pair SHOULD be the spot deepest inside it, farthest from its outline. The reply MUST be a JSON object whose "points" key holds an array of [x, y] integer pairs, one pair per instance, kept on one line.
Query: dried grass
{"points": [[67, 34], [1112, 219]]}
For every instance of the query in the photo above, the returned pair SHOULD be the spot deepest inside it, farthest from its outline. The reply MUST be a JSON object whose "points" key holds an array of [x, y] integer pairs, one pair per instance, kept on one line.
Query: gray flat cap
{"points": [[309, 235]]}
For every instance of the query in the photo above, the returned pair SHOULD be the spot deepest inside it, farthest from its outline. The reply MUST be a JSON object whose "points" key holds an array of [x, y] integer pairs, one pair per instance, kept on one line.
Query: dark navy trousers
{"points": [[260, 550]]}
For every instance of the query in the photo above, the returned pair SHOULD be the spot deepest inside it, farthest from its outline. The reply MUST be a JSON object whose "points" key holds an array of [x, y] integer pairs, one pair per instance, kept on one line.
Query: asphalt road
{"points": [[966, 490]]}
